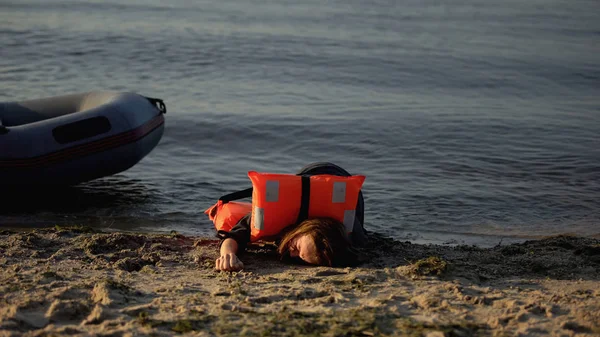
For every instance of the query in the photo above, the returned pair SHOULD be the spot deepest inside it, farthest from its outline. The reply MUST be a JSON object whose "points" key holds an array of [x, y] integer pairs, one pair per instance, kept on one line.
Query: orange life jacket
{"points": [[280, 200], [226, 215]]}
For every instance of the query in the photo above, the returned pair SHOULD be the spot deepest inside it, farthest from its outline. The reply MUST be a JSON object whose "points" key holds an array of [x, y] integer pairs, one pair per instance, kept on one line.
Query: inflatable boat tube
{"points": [[76, 138]]}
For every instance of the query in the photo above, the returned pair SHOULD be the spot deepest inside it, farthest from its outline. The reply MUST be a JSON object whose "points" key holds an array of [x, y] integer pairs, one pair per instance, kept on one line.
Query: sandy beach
{"points": [[79, 282]]}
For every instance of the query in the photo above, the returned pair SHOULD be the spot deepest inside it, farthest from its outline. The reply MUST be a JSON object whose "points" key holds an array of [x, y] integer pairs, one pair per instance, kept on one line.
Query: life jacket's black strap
{"points": [[247, 193], [305, 200]]}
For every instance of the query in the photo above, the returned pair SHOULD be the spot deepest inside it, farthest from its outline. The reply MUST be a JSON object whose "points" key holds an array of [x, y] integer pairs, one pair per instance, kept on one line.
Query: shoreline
{"points": [[79, 281], [449, 239]]}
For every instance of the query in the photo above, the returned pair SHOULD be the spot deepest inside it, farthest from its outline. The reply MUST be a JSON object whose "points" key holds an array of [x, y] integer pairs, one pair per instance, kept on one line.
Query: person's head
{"points": [[319, 241]]}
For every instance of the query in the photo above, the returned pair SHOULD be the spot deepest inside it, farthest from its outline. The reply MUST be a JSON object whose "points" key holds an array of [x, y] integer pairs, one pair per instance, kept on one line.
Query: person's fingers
{"points": [[228, 262], [224, 263]]}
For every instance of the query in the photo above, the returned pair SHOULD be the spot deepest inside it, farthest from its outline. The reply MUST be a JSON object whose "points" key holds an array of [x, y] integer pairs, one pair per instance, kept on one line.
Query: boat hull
{"points": [[109, 135]]}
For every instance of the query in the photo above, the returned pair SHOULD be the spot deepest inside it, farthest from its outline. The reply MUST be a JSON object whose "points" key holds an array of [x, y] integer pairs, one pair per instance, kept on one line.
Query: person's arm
{"points": [[233, 242], [228, 260]]}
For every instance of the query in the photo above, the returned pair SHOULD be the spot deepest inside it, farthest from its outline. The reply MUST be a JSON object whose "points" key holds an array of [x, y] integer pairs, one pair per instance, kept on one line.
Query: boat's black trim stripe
{"points": [[86, 149]]}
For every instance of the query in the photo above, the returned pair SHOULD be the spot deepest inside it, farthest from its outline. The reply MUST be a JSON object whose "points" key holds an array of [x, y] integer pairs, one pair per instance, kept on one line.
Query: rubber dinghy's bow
{"points": [[78, 137]]}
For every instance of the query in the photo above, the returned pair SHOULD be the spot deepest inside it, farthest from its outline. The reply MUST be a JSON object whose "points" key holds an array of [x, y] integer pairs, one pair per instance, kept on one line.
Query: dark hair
{"points": [[334, 248]]}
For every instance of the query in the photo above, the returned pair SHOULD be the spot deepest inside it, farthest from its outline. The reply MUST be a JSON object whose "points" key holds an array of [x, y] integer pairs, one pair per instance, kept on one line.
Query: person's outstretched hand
{"points": [[228, 262]]}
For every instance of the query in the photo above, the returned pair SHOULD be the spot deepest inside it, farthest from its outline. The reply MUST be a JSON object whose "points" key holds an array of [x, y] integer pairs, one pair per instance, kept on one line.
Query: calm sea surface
{"points": [[474, 121]]}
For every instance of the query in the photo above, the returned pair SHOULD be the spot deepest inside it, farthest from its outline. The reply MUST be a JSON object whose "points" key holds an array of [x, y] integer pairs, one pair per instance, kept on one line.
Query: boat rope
{"points": [[158, 103]]}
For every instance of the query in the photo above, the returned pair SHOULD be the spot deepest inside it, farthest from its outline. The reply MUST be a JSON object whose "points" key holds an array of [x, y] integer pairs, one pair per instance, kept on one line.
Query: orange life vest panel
{"points": [[225, 215], [278, 200]]}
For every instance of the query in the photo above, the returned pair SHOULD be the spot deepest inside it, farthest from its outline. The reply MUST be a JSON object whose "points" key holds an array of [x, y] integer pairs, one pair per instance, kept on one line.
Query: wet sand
{"points": [[79, 282]]}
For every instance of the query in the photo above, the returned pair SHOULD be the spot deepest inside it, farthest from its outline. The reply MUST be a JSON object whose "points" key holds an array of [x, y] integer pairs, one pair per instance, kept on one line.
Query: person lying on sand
{"points": [[315, 241], [318, 241]]}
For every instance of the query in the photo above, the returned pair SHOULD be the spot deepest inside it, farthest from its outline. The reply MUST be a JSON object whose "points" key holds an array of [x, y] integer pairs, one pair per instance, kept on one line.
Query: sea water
{"points": [[475, 122]]}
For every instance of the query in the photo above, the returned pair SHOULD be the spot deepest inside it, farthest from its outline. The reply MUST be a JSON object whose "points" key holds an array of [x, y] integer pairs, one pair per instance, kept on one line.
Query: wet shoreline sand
{"points": [[77, 281]]}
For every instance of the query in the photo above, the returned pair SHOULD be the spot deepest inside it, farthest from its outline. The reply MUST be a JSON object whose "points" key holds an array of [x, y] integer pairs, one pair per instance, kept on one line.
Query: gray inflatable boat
{"points": [[75, 138]]}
